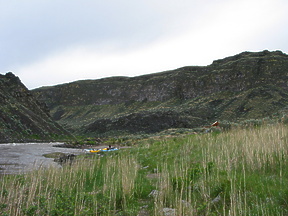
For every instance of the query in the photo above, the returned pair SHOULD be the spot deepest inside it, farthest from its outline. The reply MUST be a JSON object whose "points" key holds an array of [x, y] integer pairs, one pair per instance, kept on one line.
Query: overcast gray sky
{"points": [[48, 42]]}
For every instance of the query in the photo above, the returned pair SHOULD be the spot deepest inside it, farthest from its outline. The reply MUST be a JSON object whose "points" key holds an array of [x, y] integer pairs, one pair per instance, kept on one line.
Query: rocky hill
{"points": [[22, 116], [245, 86]]}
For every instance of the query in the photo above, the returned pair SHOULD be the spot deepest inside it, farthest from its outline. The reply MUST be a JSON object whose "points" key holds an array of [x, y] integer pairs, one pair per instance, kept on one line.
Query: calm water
{"points": [[22, 157]]}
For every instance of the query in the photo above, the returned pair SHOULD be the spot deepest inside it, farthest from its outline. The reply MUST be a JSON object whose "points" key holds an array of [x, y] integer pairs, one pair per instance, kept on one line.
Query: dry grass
{"points": [[241, 172]]}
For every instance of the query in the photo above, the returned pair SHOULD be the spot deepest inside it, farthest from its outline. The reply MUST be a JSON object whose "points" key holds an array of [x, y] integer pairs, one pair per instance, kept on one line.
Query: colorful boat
{"points": [[100, 150], [109, 149], [95, 150]]}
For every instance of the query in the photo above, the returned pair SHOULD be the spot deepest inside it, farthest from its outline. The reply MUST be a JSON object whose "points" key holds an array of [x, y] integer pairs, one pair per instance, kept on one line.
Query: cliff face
{"points": [[22, 116], [247, 85]]}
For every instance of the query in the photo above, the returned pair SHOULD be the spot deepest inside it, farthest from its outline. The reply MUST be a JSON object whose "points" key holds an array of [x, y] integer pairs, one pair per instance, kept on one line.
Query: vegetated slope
{"points": [[244, 86], [22, 117]]}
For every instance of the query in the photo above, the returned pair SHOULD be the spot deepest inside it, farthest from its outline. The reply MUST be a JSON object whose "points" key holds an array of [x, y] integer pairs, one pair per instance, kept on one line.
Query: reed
{"points": [[239, 172]]}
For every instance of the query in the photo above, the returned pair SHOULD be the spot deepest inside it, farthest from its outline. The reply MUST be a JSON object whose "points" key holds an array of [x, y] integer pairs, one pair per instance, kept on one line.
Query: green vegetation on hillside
{"points": [[250, 85], [238, 172], [22, 117]]}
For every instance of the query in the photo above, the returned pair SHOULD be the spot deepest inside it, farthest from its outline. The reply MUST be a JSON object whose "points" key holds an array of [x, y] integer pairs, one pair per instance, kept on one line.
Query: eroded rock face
{"points": [[22, 116], [232, 88]]}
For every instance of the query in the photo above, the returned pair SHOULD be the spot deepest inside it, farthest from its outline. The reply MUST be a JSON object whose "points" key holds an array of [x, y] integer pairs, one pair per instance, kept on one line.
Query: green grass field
{"points": [[238, 172]]}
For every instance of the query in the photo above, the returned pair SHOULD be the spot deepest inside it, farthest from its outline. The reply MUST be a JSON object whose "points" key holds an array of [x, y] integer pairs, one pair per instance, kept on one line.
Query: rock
{"points": [[153, 193], [143, 211], [169, 211], [64, 159], [216, 199]]}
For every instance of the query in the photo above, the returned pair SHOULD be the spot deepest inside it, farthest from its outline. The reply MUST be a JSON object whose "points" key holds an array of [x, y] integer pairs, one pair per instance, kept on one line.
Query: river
{"points": [[22, 157]]}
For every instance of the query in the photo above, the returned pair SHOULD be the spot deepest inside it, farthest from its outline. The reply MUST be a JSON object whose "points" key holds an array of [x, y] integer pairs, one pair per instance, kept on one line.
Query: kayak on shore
{"points": [[100, 150]]}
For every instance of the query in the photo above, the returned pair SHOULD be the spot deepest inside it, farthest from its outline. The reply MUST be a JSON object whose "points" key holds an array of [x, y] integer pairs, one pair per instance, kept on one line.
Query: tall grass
{"points": [[240, 172]]}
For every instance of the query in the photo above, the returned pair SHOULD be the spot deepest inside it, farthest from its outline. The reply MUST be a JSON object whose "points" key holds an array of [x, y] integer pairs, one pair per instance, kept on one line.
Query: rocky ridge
{"points": [[22, 117], [249, 85]]}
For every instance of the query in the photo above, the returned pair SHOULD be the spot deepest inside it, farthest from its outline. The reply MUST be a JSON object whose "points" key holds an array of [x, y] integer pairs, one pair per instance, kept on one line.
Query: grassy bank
{"points": [[240, 172]]}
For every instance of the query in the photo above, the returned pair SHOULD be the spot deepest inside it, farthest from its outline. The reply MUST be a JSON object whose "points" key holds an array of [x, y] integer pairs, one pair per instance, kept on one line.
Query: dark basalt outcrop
{"points": [[22, 116], [244, 86]]}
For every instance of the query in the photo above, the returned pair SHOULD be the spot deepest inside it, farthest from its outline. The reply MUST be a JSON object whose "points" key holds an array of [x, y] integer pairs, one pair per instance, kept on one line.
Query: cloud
{"points": [[34, 29], [51, 42]]}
